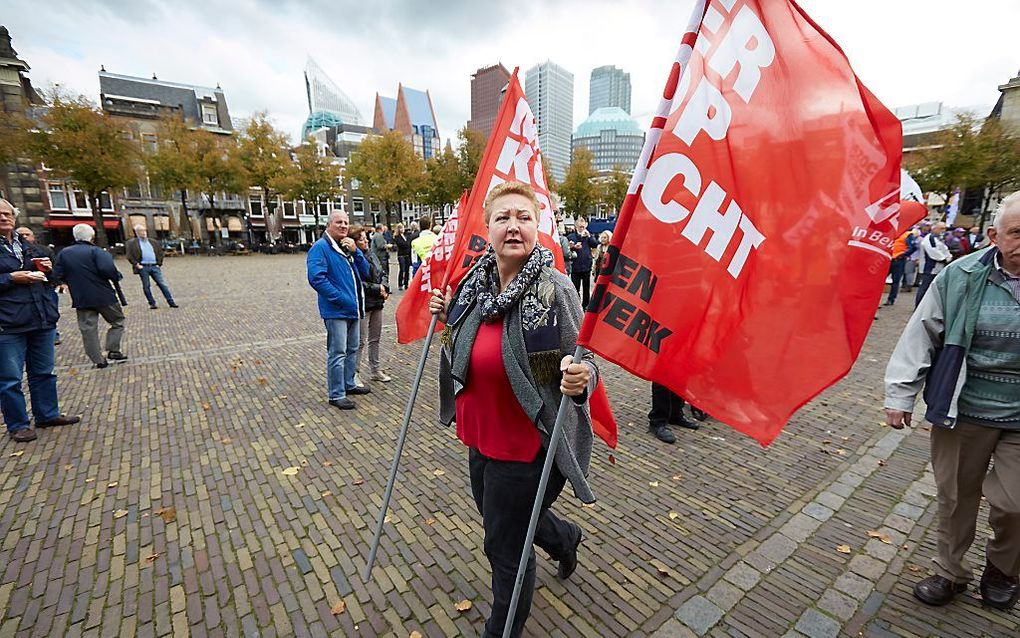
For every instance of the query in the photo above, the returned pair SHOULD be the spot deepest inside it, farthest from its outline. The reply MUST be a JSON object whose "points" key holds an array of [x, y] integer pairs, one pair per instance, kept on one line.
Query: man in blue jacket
{"points": [[335, 270], [88, 271], [28, 320]]}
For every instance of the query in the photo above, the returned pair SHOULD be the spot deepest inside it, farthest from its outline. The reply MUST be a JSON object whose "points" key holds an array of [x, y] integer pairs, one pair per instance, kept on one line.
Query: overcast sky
{"points": [[906, 51]]}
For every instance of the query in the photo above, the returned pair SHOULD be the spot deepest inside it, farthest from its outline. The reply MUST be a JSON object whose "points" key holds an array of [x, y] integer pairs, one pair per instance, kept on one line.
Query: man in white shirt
{"points": [[935, 256]]}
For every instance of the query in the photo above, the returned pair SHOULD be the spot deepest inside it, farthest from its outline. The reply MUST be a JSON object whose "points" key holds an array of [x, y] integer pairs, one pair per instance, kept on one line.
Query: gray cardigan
{"points": [[539, 401]]}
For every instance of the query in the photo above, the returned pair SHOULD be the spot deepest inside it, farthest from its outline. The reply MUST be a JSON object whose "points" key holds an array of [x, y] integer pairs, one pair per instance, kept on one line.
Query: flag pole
{"points": [[536, 509], [401, 438], [683, 56]]}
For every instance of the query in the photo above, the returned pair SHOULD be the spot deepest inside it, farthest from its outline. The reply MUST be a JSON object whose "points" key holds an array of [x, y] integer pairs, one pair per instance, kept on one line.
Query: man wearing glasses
{"points": [[28, 321]]}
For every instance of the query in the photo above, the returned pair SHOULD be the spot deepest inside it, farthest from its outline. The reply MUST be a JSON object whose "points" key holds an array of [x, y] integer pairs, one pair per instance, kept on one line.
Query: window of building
{"points": [[149, 142], [209, 114], [134, 191], [255, 205], [288, 209], [323, 209], [105, 203], [375, 207], [58, 197], [359, 205], [81, 201]]}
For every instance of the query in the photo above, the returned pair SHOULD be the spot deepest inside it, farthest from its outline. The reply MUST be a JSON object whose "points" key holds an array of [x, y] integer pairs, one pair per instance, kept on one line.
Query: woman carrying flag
{"points": [[511, 328]]}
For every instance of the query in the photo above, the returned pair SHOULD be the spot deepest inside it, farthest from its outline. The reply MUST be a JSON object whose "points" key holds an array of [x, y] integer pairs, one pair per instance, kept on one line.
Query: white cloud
{"points": [[906, 51]]}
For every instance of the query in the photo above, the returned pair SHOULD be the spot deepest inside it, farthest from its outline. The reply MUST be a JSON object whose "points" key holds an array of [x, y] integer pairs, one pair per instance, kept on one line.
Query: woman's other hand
{"points": [[440, 303], [575, 377]]}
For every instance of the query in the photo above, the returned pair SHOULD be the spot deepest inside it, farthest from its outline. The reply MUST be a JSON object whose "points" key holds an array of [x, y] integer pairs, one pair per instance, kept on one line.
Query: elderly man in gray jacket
{"points": [[963, 346]]}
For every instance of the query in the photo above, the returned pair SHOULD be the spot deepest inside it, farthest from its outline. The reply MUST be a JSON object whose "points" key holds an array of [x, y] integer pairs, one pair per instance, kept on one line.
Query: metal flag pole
{"points": [[536, 509], [400, 448], [683, 56]]}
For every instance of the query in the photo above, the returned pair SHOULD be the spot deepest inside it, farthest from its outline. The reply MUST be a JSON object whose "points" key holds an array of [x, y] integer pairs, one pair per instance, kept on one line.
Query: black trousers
{"points": [[666, 407], [582, 280], [405, 270], [504, 492]]}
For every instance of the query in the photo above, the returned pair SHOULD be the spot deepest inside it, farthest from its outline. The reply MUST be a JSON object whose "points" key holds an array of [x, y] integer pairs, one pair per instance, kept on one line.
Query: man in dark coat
{"points": [[28, 320], [27, 236], [582, 243], [146, 259], [89, 272]]}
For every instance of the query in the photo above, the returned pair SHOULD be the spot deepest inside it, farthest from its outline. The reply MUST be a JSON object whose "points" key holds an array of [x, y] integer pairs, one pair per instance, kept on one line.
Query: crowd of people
{"points": [[923, 251]]}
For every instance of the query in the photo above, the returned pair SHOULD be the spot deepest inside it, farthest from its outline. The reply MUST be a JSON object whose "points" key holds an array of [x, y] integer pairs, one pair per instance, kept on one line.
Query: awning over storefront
{"points": [[71, 223], [234, 225]]}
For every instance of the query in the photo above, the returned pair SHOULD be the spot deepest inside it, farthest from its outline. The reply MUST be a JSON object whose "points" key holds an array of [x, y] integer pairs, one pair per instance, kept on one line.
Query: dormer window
{"points": [[209, 115]]}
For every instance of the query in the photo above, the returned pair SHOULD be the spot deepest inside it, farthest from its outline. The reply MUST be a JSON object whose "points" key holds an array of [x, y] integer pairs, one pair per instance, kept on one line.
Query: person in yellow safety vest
{"points": [[421, 247]]}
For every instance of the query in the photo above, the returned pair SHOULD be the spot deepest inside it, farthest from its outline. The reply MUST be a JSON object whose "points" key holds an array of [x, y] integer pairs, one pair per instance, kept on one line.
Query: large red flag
{"points": [[750, 253], [512, 153]]}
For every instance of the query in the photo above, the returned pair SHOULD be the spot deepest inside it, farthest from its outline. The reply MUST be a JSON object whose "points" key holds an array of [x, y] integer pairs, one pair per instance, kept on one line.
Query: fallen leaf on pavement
{"points": [[843, 549], [677, 477], [262, 380], [881, 463], [151, 557], [338, 608], [120, 513], [673, 516], [327, 463], [885, 538], [283, 396], [415, 634], [113, 484], [358, 481], [18, 453], [225, 439], [430, 521], [612, 459], [68, 467], [463, 605], [841, 452], [290, 471], [206, 407], [653, 484], [439, 473], [168, 514], [387, 518], [89, 480], [914, 568], [662, 571], [327, 493]]}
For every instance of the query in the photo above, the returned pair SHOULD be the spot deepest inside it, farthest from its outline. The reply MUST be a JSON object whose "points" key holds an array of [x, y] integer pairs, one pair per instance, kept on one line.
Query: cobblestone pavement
{"points": [[210, 490]]}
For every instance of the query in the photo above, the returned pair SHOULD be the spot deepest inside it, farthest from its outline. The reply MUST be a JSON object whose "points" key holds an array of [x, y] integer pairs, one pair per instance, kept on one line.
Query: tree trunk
{"points": [[97, 218], [185, 220], [315, 208], [214, 234], [386, 207]]}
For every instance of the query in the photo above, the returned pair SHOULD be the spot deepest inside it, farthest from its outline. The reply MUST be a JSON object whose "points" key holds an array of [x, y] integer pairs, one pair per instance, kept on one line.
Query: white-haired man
{"points": [[89, 273], [336, 268], [28, 321], [146, 259], [962, 344]]}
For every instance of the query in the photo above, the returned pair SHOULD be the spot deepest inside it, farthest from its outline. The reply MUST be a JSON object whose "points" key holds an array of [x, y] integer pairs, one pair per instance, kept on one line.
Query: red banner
{"points": [[750, 253], [512, 153]]}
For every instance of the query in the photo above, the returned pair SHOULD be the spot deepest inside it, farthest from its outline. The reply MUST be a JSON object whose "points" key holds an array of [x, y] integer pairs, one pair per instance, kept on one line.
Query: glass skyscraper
{"points": [[328, 106], [609, 86], [550, 91]]}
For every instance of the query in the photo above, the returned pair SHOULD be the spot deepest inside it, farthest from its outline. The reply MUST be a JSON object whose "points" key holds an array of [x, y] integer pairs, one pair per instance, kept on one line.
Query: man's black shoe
{"points": [[101, 365], [23, 436], [152, 306], [937, 590], [999, 590], [359, 389], [114, 355], [343, 404], [57, 422], [663, 434], [569, 562], [684, 422], [700, 415], [173, 305]]}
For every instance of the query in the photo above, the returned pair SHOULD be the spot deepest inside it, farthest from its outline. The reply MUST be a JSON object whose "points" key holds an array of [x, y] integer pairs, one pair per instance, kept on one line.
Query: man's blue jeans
{"points": [[32, 351], [342, 338], [897, 269], [154, 271]]}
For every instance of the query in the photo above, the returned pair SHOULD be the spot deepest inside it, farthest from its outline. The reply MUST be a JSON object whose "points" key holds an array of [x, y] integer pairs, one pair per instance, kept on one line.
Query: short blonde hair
{"points": [[509, 188]]}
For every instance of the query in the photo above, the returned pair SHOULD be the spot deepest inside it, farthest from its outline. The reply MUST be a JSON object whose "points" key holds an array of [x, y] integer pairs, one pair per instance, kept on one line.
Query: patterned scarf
{"points": [[482, 283]]}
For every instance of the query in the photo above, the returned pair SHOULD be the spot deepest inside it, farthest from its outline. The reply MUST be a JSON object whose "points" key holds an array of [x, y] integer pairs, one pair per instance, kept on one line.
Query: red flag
{"points": [[750, 253], [512, 153]]}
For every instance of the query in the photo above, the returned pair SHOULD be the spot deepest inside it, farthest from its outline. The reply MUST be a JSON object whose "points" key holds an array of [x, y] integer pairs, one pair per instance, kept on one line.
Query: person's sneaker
{"points": [[114, 355], [663, 434], [937, 590], [359, 390], [999, 590], [152, 306], [174, 305], [101, 365], [381, 376], [358, 381], [569, 562], [700, 415], [343, 404], [686, 423], [59, 421], [23, 436]]}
